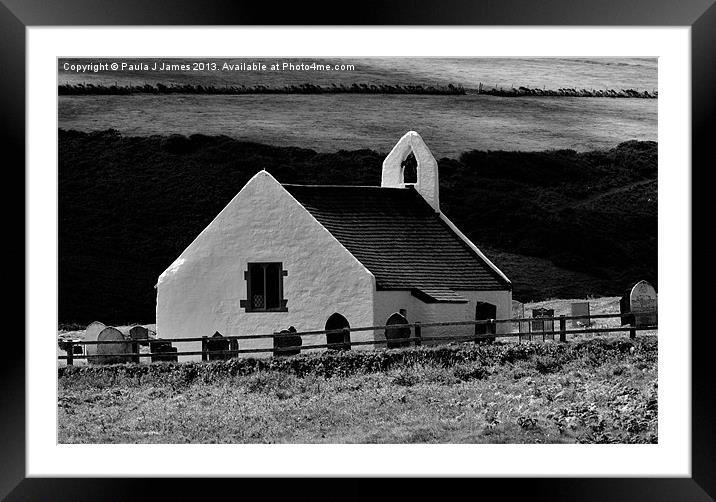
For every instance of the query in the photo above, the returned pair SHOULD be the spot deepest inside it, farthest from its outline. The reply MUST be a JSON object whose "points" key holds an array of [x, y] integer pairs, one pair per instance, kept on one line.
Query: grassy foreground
{"points": [[593, 391]]}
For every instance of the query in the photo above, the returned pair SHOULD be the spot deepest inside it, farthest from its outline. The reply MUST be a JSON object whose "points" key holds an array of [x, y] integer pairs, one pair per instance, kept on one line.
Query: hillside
{"points": [[560, 223]]}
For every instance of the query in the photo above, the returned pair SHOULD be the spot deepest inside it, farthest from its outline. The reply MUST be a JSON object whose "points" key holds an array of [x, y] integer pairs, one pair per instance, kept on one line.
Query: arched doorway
{"points": [[397, 332], [338, 341], [484, 310]]}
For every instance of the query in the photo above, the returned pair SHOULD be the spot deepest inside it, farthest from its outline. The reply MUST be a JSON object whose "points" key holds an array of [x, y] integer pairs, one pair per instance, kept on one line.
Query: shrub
{"points": [[471, 372], [406, 377], [547, 364], [527, 423], [468, 361]]}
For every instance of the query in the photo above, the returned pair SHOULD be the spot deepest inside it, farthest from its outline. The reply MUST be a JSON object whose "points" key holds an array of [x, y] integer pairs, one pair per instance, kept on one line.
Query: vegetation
{"points": [[86, 89], [595, 391], [559, 223], [567, 91], [307, 88]]}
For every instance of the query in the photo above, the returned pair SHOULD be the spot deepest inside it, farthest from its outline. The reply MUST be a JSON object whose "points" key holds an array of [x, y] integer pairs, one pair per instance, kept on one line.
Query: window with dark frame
{"points": [[264, 287]]}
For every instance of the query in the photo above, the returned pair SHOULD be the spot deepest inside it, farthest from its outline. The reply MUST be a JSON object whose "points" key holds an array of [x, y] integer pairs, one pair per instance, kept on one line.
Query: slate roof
{"points": [[438, 295], [396, 235]]}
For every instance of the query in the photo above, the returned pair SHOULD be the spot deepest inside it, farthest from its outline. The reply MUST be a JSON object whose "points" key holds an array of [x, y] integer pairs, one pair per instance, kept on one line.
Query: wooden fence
{"points": [[415, 337]]}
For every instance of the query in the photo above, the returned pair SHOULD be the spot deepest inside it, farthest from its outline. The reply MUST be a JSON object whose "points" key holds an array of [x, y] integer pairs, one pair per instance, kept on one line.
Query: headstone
{"points": [[581, 309], [215, 344], [340, 340], [140, 337], [108, 353], [543, 325], [139, 333], [162, 351], [91, 332], [643, 304], [234, 345], [286, 339], [397, 332]]}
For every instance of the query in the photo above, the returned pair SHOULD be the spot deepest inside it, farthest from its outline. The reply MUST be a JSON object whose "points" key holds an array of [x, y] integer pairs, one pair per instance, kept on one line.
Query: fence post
{"points": [[632, 333], [562, 329], [418, 334], [70, 353], [346, 339], [204, 354]]}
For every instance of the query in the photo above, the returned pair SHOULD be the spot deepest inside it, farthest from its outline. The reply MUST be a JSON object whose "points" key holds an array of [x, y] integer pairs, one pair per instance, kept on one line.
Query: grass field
{"points": [[552, 73], [591, 391], [327, 123]]}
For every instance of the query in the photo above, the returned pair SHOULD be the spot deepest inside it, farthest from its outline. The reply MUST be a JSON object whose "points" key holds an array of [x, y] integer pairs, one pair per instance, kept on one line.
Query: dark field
{"points": [[560, 224], [596, 391]]}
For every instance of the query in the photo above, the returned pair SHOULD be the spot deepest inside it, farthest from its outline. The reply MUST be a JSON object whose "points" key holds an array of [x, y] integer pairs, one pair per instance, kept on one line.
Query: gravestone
{"points": [[643, 304], [397, 332], [139, 333], [580, 309], [217, 343], [285, 338], [108, 353], [140, 337], [340, 340], [543, 325], [91, 332], [234, 345], [162, 351]]}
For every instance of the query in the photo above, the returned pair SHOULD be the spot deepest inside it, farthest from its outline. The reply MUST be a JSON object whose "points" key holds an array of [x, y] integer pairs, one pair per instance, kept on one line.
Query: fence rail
{"points": [[415, 337]]}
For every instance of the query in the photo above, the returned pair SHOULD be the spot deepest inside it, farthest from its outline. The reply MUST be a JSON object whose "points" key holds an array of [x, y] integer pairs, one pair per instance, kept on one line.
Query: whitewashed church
{"points": [[326, 257]]}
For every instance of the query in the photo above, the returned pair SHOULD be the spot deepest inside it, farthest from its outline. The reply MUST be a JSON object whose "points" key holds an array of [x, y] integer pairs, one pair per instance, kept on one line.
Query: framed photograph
{"points": [[428, 243]]}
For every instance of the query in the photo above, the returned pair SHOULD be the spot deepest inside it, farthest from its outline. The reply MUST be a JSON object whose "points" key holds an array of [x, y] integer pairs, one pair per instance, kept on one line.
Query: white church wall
{"points": [[501, 299], [200, 292], [389, 302]]}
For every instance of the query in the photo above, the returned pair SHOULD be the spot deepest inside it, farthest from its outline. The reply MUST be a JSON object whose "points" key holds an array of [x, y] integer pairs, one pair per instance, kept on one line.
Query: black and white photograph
{"points": [[357, 250]]}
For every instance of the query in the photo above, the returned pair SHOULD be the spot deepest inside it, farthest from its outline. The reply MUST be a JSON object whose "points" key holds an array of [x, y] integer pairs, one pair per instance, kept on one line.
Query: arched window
{"points": [[338, 341], [410, 169]]}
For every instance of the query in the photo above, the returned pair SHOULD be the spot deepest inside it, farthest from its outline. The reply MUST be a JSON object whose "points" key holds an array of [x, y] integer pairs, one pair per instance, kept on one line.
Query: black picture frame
{"points": [[17, 15]]}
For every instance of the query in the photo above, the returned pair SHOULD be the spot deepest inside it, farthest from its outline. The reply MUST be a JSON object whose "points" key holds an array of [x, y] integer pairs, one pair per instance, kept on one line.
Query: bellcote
{"points": [[427, 183]]}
